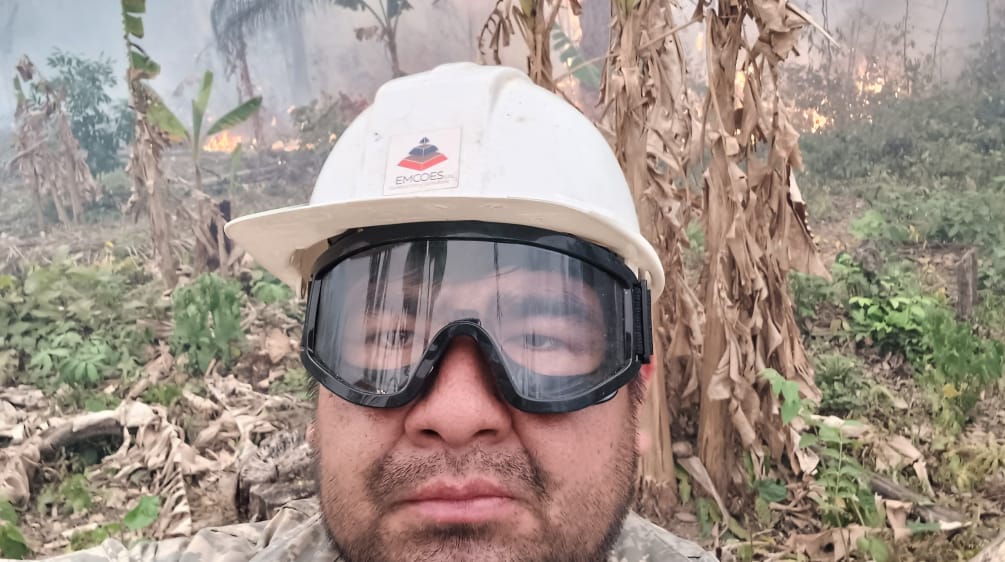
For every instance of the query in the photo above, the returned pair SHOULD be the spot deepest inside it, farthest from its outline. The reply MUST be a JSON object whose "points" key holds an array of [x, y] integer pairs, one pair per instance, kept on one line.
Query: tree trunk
{"points": [[715, 430], [391, 41], [144, 171], [248, 88], [57, 200], [36, 195]]}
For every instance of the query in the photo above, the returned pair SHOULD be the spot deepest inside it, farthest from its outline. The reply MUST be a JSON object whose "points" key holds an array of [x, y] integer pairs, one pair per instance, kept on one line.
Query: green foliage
{"points": [[893, 314], [841, 381], [847, 498], [771, 491], [587, 74], [788, 391], [808, 292], [100, 125], [99, 402], [958, 366], [875, 548], [321, 122], [72, 495], [115, 190], [207, 321], [161, 116], [93, 537], [892, 322], [295, 381], [267, 288], [873, 226], [76, 324], [164, 393], [144, 514], [12, 543]]}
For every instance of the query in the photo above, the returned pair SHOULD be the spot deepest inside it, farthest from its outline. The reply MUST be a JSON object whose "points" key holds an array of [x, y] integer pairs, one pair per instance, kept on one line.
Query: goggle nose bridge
{"points": [[470, 327]]}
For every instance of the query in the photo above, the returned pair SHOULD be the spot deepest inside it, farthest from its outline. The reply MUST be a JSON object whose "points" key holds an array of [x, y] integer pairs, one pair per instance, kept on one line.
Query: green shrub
{"points": [[268, 289], [207, 322], [957, 365], [842, 383], [808, 292], [99, 125], [75, 324], [873, 226], [163, 393], [12, 543], [844, 496]]}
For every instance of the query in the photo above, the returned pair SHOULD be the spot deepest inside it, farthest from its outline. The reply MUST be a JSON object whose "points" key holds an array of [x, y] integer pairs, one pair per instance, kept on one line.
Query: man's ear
{"points": [[644, 438], [647, 372]]}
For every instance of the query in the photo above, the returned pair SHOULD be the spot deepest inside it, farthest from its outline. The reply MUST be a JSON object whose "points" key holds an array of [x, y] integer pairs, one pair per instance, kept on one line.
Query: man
{"points": [[478, 321]]}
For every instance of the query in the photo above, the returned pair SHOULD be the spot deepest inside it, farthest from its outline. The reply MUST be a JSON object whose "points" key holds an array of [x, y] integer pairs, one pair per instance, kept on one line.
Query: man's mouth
{"points": [[468, 501]]}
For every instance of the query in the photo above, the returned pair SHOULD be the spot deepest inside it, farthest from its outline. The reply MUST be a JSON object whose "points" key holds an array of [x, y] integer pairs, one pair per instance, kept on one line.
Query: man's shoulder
{"points": [[293, 530], [644, 541]]}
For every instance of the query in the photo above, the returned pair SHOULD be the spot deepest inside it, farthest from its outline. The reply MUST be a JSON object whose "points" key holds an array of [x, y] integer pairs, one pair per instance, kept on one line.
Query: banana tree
{"points": [[177, 132], [236, 20]]}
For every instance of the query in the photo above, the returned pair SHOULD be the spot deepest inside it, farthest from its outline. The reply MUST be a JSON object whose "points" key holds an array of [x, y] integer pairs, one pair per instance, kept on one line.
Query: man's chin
{"points": [[399, 539], [463, 543]]}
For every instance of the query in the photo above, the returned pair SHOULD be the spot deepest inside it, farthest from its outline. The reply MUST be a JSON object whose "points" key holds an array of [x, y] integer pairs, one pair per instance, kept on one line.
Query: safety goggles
{"points": [[561, 323]]}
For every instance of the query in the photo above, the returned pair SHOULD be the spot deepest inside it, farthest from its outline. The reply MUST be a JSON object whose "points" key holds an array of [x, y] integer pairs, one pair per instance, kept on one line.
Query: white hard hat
{"points": [[459, 142]]}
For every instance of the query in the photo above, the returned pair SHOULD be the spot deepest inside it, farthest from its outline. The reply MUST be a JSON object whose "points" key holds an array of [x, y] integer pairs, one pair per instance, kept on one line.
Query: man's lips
{"points": [[471, 501]]}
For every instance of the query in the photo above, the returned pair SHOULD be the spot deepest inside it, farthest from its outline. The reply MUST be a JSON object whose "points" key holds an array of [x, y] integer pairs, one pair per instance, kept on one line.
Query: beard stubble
{"points": [[584, 530]]}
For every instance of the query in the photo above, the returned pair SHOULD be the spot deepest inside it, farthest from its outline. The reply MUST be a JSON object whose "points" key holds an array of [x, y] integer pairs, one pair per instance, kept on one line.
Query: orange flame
{"points": [[815, 119], [873, 86], [290, 145], [222, 142]]}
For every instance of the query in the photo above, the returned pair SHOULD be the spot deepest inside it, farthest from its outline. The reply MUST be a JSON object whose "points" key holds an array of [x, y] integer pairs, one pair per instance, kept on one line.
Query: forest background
{"points": [[149, 376]]}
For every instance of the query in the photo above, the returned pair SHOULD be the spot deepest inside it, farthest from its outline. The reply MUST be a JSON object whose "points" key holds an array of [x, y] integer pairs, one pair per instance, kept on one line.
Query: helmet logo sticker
{"points": [[432, 164], [423, 156]]}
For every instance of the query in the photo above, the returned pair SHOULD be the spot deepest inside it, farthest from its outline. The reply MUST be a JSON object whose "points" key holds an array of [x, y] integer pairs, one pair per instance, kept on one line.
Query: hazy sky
{"points": [[180, 38]]}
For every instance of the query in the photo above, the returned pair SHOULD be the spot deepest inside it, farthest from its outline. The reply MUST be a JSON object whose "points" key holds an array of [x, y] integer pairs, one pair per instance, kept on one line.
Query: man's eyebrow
{"points": [[565, 304]]}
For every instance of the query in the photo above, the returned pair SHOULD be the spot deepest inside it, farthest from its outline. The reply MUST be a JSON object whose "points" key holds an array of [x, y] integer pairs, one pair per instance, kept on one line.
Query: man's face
{"points": [[459, 474]]}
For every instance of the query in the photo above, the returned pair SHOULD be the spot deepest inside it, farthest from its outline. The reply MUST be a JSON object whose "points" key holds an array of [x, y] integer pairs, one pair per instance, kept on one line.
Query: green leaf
{"points": [[877, 549], [808, 440], [235, 116], [763, 511], [790, 410], [144, 65], [165, 120], [7, 512], [772, 491], [12, 544], [134, 26], [918, 527], [143, 514], [199, 105], [134, 6]]}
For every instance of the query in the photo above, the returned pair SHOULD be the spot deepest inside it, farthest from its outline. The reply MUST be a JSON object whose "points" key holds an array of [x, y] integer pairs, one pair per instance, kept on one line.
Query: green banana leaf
{"points": [[236, 116]]}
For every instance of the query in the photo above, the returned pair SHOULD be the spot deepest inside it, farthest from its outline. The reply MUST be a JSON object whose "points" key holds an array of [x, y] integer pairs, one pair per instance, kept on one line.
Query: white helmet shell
{"points": [[459, 142]]}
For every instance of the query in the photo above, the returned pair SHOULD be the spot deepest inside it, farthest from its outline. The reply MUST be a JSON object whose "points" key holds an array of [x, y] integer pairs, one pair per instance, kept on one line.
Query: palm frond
{"points": [[232, 20]]}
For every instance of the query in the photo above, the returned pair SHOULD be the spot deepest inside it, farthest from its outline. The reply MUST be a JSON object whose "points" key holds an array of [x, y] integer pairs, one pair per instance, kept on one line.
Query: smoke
{"points": [[290, 63]]}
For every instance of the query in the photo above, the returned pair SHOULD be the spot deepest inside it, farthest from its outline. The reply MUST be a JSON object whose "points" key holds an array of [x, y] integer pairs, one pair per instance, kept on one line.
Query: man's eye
{"points": [[540, 342], [391, 338]]}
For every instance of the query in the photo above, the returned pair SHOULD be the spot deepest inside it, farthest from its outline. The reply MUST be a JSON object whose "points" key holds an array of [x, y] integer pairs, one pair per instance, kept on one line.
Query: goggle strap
{"points": [[643, 321]]}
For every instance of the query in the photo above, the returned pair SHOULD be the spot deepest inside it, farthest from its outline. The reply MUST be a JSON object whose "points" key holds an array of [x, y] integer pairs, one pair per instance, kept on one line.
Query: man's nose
{"points": [[463, 406]]}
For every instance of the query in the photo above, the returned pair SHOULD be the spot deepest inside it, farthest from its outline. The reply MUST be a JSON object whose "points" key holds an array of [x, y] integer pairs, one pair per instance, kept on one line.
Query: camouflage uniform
{"points": [[296, 534]]}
